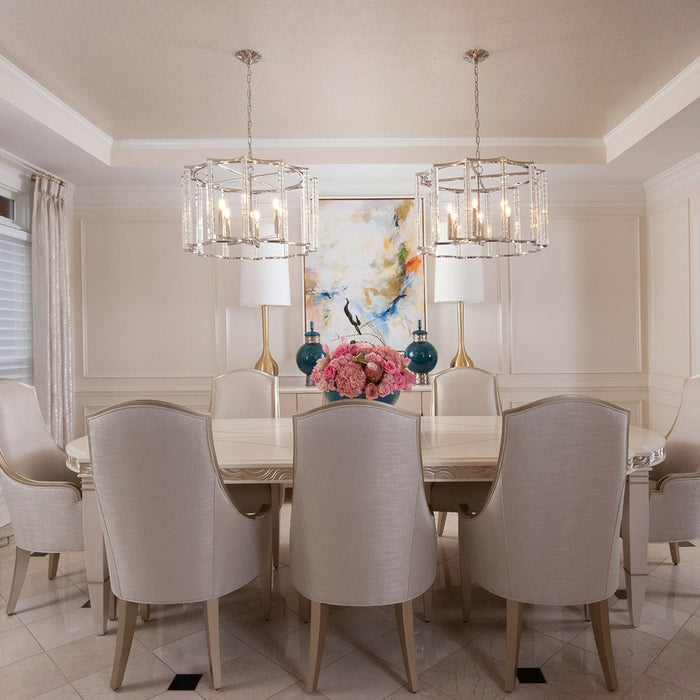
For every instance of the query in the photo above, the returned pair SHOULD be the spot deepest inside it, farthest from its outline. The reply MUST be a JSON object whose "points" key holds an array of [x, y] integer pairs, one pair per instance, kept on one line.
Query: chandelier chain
{"points": [[476, 113], [249, 95]]}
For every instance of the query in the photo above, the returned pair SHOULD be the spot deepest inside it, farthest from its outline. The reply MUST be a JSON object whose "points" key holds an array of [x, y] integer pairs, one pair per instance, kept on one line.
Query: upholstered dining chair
{"points": [[361, 532], [549, 531], [674, 497], [43, 495], [245, 393], [250, 393], [463, 391], [172, 534]]}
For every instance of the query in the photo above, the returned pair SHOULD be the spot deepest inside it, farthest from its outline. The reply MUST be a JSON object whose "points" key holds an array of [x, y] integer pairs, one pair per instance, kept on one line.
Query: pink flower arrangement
{"points": [[354, 369]]}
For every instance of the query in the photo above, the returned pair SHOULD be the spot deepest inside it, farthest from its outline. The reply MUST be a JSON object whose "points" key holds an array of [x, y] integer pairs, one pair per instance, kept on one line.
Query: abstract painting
{"points": [[367, 280]]}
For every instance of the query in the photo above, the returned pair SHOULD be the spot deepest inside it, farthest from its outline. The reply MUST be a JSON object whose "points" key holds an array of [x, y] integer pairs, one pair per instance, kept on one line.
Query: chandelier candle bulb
{"points": [[500, 205], [266, 192]]}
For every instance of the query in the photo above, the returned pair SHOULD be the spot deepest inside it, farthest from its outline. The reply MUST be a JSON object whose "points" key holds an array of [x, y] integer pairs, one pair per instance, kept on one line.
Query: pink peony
{"points": [[371, 391], [353, 369], [350, 380]]}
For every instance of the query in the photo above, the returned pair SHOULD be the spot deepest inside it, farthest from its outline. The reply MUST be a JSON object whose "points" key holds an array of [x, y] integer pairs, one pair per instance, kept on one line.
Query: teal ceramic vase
{"points": [[309, 353], [422, 354]]}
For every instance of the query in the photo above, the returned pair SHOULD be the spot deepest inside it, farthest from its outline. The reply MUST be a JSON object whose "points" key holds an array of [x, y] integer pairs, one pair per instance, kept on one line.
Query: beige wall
{"points": [[153, 321], [673, 216]]}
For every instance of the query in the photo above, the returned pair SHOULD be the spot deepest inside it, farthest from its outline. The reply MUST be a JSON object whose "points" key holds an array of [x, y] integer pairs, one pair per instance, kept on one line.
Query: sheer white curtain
{"points": [[53, 356]]}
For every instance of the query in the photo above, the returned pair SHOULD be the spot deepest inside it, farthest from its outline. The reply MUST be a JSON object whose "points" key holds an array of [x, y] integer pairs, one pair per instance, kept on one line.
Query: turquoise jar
{"points": [[309, 353], [422, 354]]}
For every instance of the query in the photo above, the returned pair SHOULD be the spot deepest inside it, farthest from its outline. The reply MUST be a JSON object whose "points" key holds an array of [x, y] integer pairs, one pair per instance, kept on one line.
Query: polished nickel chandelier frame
{"points": [[249, 208], [482, 207]]}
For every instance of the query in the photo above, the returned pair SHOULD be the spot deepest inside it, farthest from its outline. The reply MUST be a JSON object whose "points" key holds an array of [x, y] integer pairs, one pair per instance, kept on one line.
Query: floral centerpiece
{"points": [[363, 370]]}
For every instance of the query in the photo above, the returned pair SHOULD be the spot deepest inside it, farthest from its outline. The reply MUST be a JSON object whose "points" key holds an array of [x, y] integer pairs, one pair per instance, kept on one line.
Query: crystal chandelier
{"points": [[248, 208], [482, 207]]}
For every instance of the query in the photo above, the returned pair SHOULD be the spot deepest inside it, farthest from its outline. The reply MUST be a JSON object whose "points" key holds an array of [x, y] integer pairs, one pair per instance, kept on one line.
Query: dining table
{"points": [[454, 449]]}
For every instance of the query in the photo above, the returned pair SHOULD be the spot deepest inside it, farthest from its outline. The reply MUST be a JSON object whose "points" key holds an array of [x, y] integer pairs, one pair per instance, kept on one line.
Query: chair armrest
{"points": [[46, 515], [21, 479], [664, 480]]}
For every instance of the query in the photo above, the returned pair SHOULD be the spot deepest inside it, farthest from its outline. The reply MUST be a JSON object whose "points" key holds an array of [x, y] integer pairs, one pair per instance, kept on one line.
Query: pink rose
{"points": [[371, 391]]}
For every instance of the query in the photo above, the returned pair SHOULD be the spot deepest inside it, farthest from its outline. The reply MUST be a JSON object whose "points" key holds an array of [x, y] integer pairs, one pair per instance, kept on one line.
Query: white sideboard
{"points": [[297, 398]]}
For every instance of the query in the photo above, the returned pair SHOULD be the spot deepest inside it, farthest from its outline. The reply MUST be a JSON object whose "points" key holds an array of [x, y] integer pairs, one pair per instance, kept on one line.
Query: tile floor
{"points": [[48, 648]]}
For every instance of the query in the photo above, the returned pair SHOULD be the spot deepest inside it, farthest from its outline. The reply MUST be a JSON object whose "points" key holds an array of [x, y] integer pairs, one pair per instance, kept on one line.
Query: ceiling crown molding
{"points": [[24, 93], [673, 180], [680, 92], [141, 152]]}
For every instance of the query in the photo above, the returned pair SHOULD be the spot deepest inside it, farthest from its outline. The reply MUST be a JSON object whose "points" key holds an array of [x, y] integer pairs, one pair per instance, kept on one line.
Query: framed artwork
{"points": [[366, 281]]}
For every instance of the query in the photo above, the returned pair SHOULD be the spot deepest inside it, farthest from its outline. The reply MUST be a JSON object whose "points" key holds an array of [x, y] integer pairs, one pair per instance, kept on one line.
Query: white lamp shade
{"points": [[265, 282], [459, 280]]}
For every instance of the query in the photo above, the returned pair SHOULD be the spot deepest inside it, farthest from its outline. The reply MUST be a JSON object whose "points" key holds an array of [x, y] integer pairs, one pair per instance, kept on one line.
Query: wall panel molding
{"points": [[577, 308]]}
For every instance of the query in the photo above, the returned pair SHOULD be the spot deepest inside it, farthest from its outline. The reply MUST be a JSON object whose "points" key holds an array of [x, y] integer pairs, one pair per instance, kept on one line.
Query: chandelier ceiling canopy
{"points": [[481, 207], [248, 208]]}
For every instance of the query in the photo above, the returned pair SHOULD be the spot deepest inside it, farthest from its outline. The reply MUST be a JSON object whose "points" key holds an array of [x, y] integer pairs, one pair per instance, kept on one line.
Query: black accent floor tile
{"points": [[621, 593], [686, 544], [38, 554], [86, 605], [531, 675], [185, 681]]}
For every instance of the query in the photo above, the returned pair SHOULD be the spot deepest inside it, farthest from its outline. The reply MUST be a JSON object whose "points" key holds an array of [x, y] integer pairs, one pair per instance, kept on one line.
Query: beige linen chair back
{"points": [[26, 442], [245, 393], [361, 532], [674, 500], [683, 440], [249, 393], [465, 391], [171, 532], [43, 495], [549, 532], [462, 391]]}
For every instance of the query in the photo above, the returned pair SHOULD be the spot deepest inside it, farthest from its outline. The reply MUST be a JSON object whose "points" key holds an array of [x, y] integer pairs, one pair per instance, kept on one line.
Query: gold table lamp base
{"points": [[461, 359], [265, 362]]}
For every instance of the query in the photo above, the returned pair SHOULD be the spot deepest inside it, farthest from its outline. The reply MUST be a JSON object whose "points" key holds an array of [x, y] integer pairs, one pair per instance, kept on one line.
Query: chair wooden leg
{"points": [[404, 620], [53, 565], [145, 612], [319, 624], [277, 498], [587, 612], [675, 552], [211, 628], [442, 519], [428, 604], [126, 612], [111, 606], [513, 614], [266, 587], [304, 608], [20, 571], [601, 632], [466, 586]]}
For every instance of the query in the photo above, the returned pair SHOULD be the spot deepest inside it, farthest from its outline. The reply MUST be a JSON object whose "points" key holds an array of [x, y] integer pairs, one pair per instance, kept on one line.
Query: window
{"points": [[15, 296]]}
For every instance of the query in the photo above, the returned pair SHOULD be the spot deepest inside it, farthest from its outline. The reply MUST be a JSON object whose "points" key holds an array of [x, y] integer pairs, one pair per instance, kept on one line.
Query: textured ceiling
{"points": [[337, 69]]}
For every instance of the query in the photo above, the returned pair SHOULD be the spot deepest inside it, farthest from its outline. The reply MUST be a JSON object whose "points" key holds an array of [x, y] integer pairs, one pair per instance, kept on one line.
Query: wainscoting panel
{"points": [[148, 308], [576, 306], [669, 261]]}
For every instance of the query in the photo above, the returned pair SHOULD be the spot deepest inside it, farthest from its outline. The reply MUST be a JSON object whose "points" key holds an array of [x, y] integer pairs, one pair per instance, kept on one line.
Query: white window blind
{"points": [[15, 305]]}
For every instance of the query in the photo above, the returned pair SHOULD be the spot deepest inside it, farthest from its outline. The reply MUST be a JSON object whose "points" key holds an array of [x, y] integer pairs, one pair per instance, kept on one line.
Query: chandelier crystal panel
{"points": [[482, 207], [249, 208]]}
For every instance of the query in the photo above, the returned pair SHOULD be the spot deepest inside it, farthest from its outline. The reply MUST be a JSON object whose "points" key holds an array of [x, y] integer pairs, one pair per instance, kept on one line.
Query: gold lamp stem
{"points": [[265, 363], [461, 359]]}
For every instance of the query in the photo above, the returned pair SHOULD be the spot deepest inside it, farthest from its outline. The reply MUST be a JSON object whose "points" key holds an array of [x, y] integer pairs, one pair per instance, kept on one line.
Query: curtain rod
{"points": [[51, 177]]}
